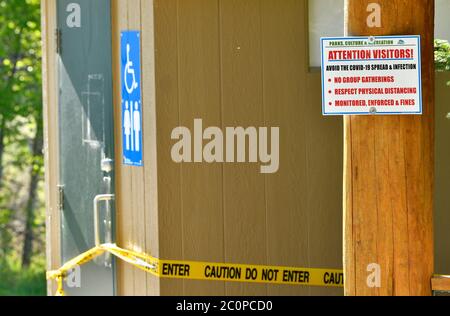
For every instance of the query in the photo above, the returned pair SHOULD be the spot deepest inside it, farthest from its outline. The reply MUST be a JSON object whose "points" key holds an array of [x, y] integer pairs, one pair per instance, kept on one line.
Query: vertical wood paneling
{"points": [[200, 97], [393, 154], [324, 140], [168, 117], [124, 198], [232, 63], [137, 202], [242, 105], [284, 72], [442, 215], [398, 195], [348, 218], [385, 245], [365, 200], [136, 189], [149, 130]]}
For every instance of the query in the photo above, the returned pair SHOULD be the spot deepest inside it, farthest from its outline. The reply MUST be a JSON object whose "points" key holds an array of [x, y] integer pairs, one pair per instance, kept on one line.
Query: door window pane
{"points": [[442, 19], [326, 18]]}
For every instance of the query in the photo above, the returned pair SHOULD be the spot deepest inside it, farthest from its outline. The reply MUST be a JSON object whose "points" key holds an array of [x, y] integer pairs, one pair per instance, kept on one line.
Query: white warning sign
{"points": [[371, 75]]}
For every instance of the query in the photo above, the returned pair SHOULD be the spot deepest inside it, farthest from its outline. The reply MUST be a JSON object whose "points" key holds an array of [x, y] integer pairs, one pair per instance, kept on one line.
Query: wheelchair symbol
{"points": [[130, 71]]}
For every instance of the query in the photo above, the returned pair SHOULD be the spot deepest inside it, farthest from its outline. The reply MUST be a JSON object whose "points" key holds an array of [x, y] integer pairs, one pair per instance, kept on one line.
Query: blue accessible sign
{"points": [[131, 98]]}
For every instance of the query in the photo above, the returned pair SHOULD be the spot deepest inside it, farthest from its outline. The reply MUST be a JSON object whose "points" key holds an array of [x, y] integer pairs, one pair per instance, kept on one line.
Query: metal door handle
{"points": [[97, 200]]}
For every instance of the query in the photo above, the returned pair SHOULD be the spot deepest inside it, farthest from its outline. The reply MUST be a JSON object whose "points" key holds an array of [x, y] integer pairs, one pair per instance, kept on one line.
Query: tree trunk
{"points": [[389, 171], [27, 250]]}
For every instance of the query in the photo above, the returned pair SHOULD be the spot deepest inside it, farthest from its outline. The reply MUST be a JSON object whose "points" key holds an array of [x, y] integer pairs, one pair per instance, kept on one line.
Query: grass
{"points": [[15, 281]]}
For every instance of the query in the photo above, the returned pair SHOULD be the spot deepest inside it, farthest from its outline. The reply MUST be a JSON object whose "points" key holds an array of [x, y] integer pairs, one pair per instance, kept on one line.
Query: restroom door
{"points": [[86, 140]]}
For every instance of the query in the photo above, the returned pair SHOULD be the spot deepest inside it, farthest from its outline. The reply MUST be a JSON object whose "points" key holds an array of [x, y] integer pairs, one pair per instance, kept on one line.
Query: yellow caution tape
{"points": [[195, 270]]}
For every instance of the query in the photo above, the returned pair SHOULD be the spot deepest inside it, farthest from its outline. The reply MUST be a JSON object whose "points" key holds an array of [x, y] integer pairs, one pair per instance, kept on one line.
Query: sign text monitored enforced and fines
{"points": [[371, 75]]}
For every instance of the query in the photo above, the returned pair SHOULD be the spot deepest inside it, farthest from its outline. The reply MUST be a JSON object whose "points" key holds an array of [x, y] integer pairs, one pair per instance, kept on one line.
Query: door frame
{"points": [[51, 136], [50, 86]]}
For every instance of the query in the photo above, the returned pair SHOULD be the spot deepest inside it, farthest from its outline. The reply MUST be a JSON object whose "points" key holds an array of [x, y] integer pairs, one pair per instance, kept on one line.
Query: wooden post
{"points": [[389, 170]]}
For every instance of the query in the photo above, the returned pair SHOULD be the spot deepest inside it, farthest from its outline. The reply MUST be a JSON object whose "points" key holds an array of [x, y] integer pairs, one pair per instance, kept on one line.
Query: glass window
{"points": [[442, 19], [326, 18]]}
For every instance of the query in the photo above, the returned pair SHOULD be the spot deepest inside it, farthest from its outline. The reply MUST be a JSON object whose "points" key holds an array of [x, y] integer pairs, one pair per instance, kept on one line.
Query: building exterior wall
{"points": [[245, 63], [230, 63], [442, 176]]}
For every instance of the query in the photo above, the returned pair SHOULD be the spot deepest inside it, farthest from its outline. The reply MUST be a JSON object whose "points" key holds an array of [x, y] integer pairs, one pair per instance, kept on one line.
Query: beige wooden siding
{"points": [[244, 63], [136, 189], [442, 179]]}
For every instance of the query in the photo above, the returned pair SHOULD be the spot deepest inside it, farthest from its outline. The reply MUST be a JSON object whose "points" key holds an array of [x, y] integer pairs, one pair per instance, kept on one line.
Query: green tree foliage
{"points": [[21, 160], [20, 71], [442, 55]]}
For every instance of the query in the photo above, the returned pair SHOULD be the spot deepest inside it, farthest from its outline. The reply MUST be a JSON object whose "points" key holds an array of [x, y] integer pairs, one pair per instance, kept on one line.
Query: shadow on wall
{"points": [[442, 178]]}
